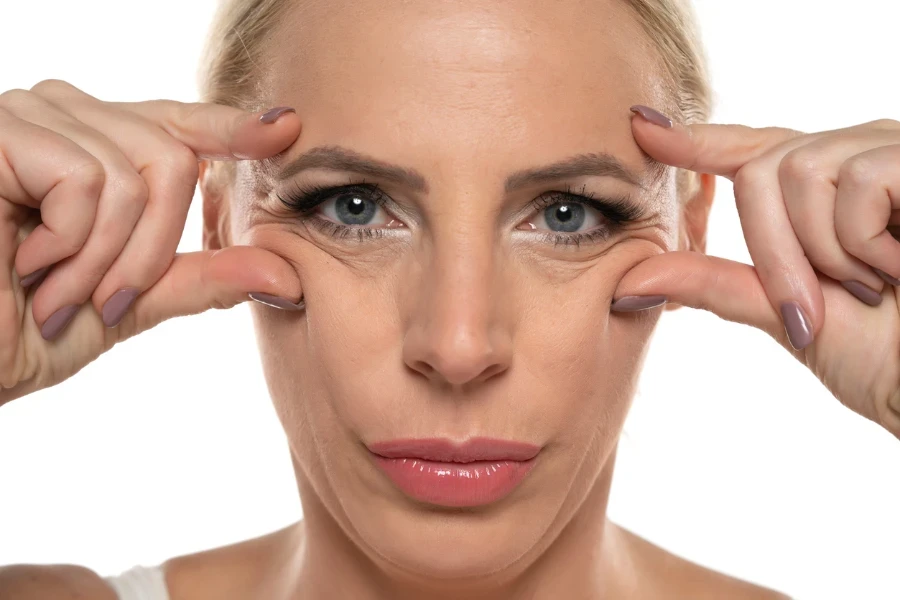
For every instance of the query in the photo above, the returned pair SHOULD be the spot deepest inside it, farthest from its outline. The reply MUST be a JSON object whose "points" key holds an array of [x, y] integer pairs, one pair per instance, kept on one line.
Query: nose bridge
{"points": [[457, 335]]}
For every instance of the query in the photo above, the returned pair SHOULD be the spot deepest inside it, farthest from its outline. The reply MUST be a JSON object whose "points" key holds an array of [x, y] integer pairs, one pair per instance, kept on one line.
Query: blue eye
{"points": [[567, 217], [351, 208], [354, 205]]}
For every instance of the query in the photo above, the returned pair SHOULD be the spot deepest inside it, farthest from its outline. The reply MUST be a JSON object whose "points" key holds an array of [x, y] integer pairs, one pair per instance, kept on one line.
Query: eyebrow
{"points": [[337, 158]]}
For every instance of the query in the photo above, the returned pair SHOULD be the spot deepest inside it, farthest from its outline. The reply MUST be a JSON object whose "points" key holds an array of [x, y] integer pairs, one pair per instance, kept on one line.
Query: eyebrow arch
{"points": [[596, 163], [337, 158]]}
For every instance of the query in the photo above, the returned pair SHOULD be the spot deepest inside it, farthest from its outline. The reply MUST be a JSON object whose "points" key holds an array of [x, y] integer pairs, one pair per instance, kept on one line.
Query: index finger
{"points": [[221, 132], [717, 149]]}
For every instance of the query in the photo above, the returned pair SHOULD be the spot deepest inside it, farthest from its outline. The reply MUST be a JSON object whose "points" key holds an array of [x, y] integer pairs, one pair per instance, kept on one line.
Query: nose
{"points": [[458, 334]]}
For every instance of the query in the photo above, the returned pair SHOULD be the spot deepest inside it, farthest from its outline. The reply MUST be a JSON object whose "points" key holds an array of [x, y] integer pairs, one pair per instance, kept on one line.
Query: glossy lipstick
{"points": [[439, 471]]}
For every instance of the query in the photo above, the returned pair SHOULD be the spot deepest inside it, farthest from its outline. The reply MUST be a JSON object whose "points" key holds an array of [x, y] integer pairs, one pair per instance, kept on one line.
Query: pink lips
{"points": [[439, 471]]}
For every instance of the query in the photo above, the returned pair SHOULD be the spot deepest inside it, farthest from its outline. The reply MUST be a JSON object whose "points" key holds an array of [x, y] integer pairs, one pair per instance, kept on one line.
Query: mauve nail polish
{"points": [[652, 115], [117, 305], [58, 321], [270, 300], [271, 115], [636, 303], [32, 277], [887, 277], [797, 325], [863, 292]]}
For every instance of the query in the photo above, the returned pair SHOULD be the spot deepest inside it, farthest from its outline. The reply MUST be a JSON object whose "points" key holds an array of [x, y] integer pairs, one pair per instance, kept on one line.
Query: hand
{"points": [[93, 201], [815, 211]]}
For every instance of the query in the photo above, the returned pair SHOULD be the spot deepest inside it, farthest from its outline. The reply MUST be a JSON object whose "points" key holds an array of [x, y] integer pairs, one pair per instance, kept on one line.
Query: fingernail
{"points": [[652, 115], [636, 303], [797, 325], [887, 277], [117, 305], [32, 277], [270, 300], [270, 116], [58, 321], [863, 292]]}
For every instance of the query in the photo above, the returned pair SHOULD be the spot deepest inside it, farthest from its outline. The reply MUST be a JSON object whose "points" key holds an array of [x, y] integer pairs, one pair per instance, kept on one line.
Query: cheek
{"points": [[582, 361], [340, 365]]}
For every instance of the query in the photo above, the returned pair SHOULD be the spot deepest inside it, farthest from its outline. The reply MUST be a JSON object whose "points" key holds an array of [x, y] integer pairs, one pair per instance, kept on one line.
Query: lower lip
{"points": [[455, 484]]}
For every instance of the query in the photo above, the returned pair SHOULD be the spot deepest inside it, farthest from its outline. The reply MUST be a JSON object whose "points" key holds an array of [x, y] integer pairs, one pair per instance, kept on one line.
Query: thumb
{"points": [[727, 288], [198, 281], [221, 132], [718, 149]]}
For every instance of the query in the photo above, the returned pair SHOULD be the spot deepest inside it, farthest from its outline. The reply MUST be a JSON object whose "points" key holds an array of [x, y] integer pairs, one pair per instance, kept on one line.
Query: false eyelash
{"points": [[618, 209], [303, 200]]}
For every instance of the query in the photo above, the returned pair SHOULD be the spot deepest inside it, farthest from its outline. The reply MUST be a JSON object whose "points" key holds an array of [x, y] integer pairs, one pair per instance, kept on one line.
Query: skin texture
{"points": [[463, 322], [464, 93], [459, 319]]}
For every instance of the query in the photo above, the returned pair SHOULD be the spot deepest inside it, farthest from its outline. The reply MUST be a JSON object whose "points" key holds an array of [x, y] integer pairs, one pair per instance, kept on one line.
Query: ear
{"points": [[216, 202], [695, 218]]}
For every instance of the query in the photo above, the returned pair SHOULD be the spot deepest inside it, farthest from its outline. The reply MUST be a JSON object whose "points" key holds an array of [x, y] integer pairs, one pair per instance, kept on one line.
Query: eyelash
{"points": [[618, 211]]}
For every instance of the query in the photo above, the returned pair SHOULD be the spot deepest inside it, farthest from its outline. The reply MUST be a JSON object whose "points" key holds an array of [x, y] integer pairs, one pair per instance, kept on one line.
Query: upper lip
{"points": [[446, 450]]}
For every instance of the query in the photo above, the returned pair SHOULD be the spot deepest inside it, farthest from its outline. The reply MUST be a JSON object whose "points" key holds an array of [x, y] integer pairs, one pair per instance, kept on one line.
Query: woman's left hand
{"points": [[815, 210]]}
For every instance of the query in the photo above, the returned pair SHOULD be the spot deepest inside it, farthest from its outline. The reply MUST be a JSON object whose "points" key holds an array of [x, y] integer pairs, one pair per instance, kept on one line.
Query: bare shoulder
{"points": [[244, 569], [52, 582], [681, 578]]}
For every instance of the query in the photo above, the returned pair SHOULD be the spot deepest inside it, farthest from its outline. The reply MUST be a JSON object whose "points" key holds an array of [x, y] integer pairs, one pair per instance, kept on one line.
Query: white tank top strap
{"points": [[140, 583]]}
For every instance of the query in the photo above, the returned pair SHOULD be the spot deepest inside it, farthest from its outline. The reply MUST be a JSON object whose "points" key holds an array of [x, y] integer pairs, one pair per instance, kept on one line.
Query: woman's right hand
{"points": [[99, 193]]}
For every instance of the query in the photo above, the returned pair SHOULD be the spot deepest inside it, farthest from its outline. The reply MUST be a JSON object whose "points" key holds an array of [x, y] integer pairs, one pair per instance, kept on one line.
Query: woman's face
{"points": [[458, 307]]}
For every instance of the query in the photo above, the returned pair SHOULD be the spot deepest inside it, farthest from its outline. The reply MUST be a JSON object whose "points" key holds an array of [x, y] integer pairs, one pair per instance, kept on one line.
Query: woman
{"points": [[458, 221]]}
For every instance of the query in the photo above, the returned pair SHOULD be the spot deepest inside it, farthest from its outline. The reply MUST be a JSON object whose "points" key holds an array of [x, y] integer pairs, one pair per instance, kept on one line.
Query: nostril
{"points": [[424, 368], [490, 372]]}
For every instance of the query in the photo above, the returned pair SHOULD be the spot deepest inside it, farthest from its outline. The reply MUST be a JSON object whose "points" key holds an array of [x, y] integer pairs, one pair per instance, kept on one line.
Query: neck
{"points": [[584, 559]]}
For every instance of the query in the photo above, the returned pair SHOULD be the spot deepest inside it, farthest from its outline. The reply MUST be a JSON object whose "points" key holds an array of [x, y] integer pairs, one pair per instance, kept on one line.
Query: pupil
{"points": [[356, 206]]}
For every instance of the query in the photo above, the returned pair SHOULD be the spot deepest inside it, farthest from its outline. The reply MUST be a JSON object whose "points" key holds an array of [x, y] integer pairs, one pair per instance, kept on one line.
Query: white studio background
{"points": [[734, 456]]}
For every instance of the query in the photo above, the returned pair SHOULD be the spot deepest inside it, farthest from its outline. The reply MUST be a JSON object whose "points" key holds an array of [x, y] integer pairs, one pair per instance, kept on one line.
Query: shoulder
{"points": [[677, 577], [244, 569], [56, 582]]}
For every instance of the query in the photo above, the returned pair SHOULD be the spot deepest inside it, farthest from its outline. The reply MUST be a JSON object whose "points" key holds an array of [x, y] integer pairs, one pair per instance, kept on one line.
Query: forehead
{"points": [[454, 80]]}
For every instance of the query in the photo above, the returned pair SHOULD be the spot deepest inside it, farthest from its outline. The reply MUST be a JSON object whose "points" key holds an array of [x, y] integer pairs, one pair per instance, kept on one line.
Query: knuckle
{"points": [[182, 163], [858, 171], [889, 124], [132, 187], [16, 97], [176, 114], [90, 177], [801, 165], [749, 178], [71, 242], [186, 111], [51, 87], [850, 240]]}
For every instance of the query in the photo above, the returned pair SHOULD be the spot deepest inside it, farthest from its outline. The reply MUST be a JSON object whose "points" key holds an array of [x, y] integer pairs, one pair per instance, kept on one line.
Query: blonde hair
{"points": [[235, 49]]}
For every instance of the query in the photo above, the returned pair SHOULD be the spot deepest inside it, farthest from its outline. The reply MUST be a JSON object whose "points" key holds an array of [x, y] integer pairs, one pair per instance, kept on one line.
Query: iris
{"points": [[564, 217], [350, 209]]}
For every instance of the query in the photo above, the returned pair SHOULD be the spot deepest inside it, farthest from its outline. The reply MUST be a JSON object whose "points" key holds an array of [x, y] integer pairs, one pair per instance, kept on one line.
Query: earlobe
{"points": [[215, 208]]}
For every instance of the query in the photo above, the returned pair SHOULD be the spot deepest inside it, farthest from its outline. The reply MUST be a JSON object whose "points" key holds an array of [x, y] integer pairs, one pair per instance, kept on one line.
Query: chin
{"points": [[447, 543]]}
